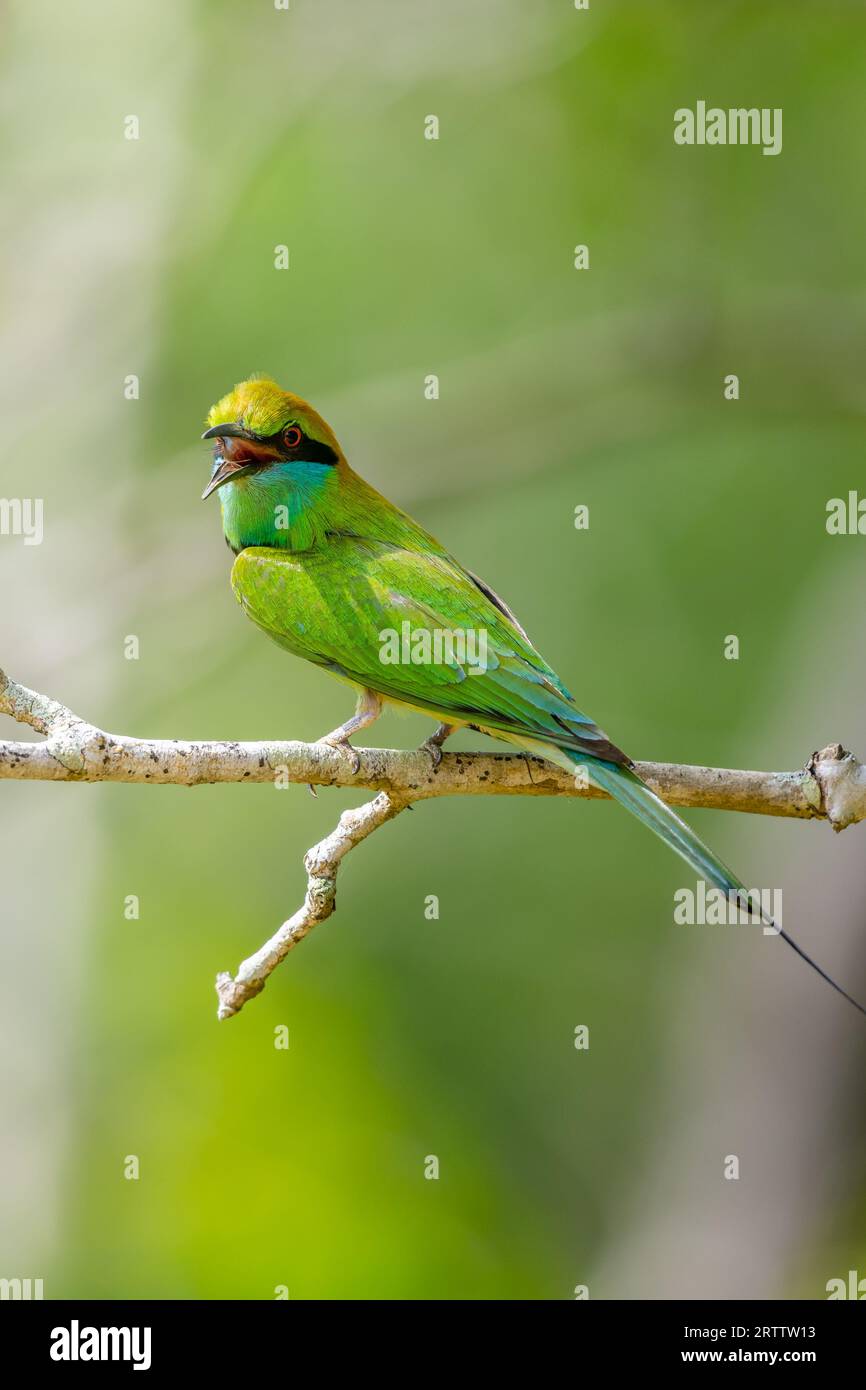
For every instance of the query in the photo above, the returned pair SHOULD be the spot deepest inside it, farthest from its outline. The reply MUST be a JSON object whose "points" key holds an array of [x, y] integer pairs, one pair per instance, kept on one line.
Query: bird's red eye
{"points": [[292, 437]]}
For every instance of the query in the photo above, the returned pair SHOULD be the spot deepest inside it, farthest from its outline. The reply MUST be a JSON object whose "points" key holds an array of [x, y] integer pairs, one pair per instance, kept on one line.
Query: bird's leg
{"points": [[433, 744], [367, 711]]}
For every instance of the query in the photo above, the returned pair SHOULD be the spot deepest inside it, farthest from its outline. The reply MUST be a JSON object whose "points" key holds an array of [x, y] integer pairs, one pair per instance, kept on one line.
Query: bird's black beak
{"points": [[227, 431], [225, 468]]}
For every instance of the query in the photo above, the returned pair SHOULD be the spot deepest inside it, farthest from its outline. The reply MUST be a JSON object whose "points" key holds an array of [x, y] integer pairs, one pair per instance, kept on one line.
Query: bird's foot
{"points": [[433, 744], [339, 739], [368, 710]]}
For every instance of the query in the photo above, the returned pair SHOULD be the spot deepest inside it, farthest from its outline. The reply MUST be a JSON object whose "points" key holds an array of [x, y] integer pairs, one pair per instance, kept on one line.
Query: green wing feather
{"points": [[330, 606]]}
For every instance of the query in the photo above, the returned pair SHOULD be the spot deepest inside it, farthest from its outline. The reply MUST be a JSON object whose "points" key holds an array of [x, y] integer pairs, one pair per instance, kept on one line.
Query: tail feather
{"points": [[625, 785]]}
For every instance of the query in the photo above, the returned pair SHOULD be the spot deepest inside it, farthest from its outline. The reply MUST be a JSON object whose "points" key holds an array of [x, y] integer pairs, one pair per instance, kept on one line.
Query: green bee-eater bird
{"points": [[336, 574]]}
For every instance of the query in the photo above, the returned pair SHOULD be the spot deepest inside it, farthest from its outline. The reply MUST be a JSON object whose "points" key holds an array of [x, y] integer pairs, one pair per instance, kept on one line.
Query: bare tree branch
{"points": [[321, 864], [831, 787]]}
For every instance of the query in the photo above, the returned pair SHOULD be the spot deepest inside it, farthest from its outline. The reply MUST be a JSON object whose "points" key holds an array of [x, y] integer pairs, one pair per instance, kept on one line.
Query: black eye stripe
{"points": [[307, 450]]}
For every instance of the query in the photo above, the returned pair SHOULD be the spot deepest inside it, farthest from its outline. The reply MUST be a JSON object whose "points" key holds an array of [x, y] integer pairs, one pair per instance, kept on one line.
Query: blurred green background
{"points": [[304, 1168]]}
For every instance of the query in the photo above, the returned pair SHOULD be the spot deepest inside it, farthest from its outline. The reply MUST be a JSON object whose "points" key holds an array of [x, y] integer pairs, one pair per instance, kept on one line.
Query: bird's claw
{"points": [[332, 741], [431, 746]]}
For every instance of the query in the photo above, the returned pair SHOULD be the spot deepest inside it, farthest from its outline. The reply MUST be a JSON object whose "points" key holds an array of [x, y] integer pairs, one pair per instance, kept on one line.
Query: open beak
{"points": [[226, 468]]}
